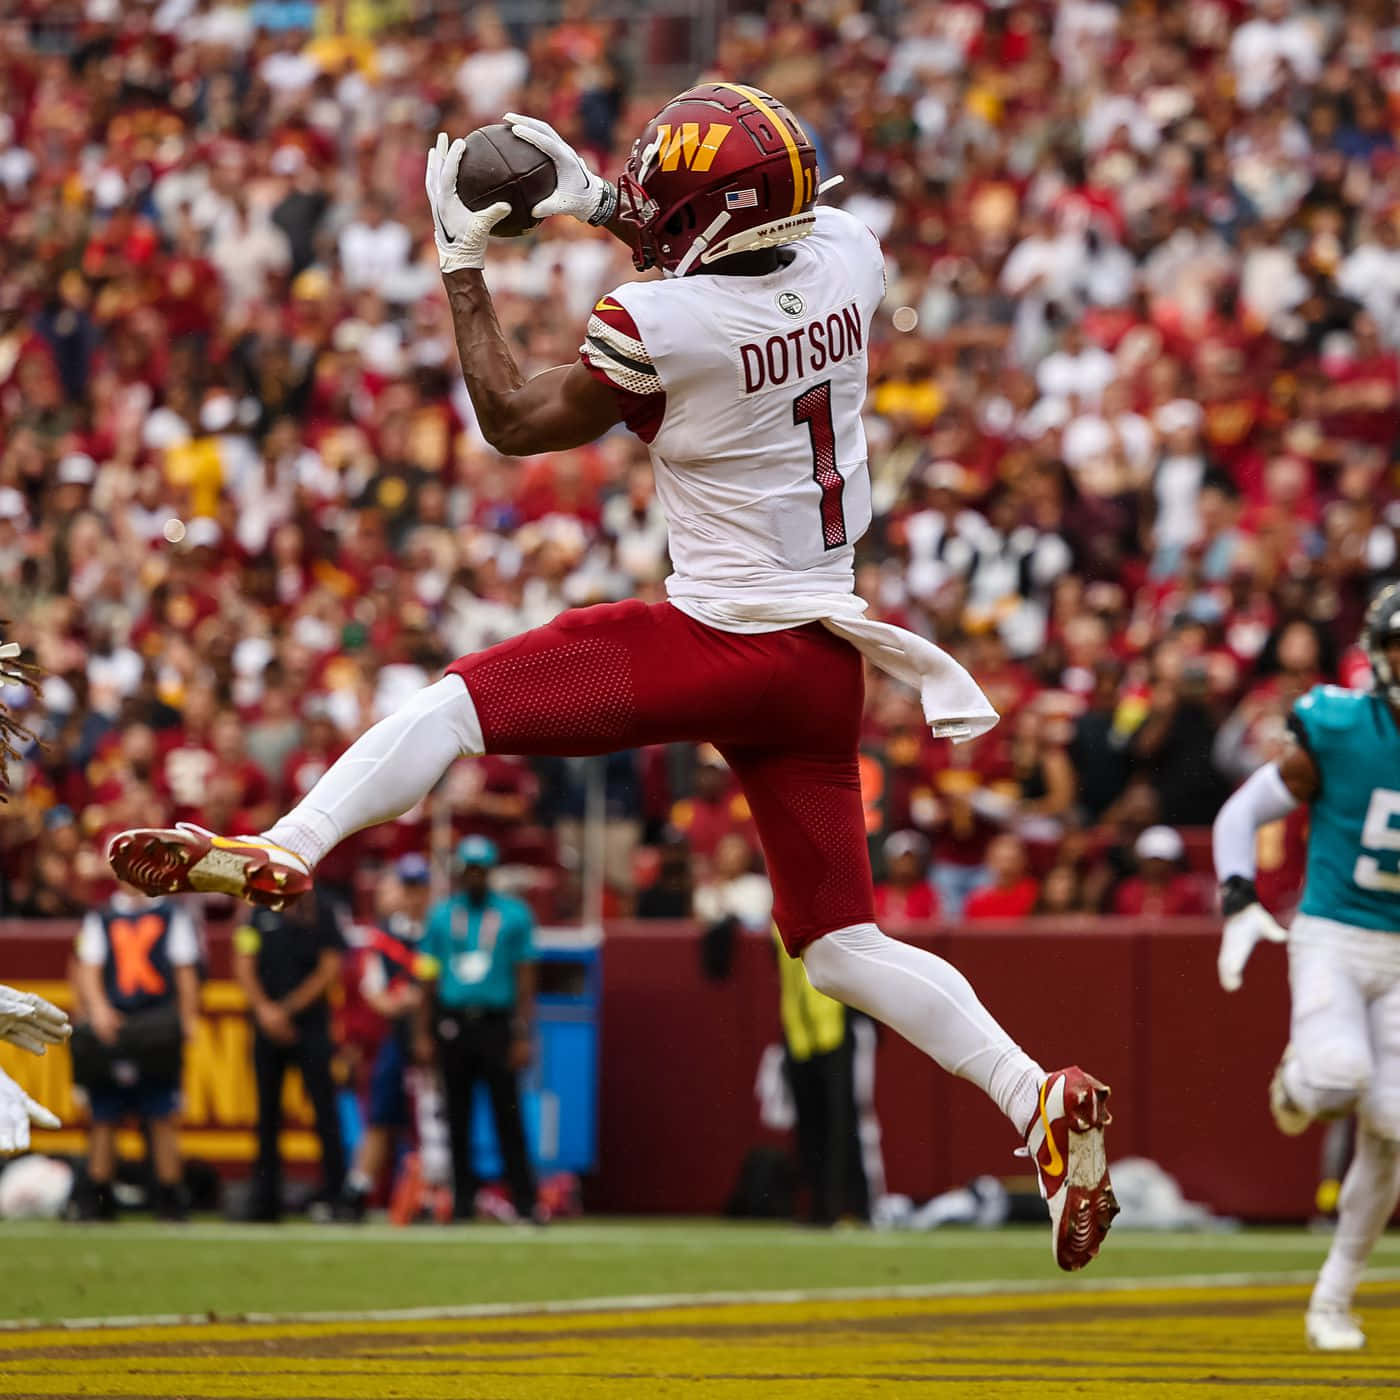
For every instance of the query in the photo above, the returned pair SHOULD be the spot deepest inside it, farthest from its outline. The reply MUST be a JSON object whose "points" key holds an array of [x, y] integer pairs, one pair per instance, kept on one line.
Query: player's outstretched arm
{"points": [[1268, 795], [561, 408]]}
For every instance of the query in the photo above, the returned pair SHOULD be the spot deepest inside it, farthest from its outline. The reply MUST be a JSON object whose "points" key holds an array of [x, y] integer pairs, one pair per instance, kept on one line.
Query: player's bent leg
{"points": [[810, 818], [932, 1005], [1328, 1064], [1371, 1186], [1061, 1115], [1370, 1191], [387, 770]]}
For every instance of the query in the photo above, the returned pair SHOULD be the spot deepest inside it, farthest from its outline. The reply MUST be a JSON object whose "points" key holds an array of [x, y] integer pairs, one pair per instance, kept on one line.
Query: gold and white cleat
{"points": [[1065, 1141], [185, 857]]}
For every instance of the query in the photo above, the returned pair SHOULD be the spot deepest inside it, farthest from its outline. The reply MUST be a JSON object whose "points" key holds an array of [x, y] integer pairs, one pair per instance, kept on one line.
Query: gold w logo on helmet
{"points": [[683, 143]]}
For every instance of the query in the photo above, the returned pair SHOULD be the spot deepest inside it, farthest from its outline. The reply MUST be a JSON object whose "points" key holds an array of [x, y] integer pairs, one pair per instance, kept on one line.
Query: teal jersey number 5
{"points": [[1353, 873]]}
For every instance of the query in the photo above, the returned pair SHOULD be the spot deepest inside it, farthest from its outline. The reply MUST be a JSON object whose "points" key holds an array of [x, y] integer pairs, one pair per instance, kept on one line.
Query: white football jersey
{"points": [[749, 391]]}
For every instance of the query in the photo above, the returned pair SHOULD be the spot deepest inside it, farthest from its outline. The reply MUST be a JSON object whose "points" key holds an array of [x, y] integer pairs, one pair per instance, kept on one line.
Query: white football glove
{"points": [[578, 192], [1242, 932], [461, 233], [17, 1112], [31, 1022]]}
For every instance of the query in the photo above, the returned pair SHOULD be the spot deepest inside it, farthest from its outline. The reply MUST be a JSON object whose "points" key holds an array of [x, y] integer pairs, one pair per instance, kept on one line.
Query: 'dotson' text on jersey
{"points": [[807, 350]]}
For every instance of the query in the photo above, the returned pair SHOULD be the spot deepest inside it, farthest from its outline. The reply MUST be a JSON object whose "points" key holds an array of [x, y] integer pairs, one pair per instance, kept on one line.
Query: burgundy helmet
{"points": [[721, 169]]}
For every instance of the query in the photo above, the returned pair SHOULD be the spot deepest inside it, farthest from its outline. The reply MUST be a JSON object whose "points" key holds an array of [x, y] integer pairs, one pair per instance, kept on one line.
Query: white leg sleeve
{"points": [[932, 1005], [1369, 1193], [388, 769]]}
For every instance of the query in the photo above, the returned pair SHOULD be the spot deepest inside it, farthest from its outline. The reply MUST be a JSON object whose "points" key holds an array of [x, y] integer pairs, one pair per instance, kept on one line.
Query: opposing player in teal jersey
{"points": [[1343, 1054]]}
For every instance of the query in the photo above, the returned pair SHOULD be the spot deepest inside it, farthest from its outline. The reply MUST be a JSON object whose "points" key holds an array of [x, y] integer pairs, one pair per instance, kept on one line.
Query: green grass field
{"points": [[667, 1310], [138, 1268]]}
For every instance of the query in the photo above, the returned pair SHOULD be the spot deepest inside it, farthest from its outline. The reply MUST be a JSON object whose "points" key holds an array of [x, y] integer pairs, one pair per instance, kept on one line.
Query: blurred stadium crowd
{"points": [[1132, 421]]}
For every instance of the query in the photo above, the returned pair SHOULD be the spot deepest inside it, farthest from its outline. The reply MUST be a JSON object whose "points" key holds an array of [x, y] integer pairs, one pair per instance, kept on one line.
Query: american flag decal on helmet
{"points": [[741, 199]]}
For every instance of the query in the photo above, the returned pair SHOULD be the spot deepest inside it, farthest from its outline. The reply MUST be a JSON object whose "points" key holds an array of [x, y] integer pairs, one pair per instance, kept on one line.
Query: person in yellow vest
{"points": [[820, 1043], [286, 962]]}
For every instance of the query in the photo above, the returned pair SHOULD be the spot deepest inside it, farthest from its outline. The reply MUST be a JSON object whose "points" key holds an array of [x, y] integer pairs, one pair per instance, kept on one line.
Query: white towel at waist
{"points": [[954, 705]]}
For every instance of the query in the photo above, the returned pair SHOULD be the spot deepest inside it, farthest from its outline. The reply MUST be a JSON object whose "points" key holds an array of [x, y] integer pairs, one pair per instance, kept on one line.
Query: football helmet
{"points": [[1382, 626], [721, 169]]}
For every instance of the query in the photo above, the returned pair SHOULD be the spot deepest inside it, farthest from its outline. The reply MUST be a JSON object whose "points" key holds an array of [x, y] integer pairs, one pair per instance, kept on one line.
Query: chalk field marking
{"points": [[656, 1302], [698, 1238]]}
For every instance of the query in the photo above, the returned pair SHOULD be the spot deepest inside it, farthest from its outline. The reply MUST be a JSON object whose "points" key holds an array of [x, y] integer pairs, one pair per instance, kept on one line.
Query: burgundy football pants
{"points": [[784, 708]]}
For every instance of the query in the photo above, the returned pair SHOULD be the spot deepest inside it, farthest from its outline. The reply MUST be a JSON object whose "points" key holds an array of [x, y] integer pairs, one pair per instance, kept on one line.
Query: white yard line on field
{"points": [[652, 1302], [718, 1237]]}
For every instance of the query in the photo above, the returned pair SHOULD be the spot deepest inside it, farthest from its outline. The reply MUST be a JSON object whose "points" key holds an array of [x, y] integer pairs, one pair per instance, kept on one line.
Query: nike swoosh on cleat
{"points": [[1057, 1163]]}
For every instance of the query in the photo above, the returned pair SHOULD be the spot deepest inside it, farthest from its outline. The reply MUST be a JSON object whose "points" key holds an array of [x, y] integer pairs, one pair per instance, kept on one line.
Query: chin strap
{"points": [[831, 183], [701, 243]]}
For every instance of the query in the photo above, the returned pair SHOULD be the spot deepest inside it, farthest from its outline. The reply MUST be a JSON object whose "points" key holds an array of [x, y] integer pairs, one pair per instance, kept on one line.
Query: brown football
{"points": [[497, 165]]}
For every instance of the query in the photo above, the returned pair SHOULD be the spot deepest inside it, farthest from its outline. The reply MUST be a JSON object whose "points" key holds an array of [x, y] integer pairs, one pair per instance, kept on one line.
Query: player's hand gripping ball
{"points": [[497, 166]]}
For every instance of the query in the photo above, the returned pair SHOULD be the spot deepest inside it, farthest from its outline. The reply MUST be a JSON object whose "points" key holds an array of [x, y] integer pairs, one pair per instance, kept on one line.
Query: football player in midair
{"points": [[744, 369], [1343, 1054]]}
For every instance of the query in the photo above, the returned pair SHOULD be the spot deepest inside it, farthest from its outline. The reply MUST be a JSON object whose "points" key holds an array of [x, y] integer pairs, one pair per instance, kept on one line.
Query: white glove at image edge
{"points": [[17, 1112]]}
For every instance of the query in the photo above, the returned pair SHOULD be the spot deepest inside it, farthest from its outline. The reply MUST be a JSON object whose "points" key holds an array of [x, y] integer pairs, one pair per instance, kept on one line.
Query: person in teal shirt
{"points": [[480, 947], [1343, 1054]]}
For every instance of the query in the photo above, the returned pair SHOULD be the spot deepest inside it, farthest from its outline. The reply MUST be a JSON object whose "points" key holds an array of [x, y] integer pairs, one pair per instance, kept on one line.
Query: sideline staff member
{"points": [[819, 1040], [484, 947], [286, 963], [139, 989]]}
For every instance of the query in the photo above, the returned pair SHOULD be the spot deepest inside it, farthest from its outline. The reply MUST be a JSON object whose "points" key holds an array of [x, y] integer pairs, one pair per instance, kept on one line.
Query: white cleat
{"points": [[1289, 1119], [1331, 1329]]}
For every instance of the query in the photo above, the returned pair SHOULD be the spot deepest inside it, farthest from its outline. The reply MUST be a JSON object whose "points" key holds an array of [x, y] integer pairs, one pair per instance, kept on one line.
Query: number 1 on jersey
{"points": [[813, 407]]}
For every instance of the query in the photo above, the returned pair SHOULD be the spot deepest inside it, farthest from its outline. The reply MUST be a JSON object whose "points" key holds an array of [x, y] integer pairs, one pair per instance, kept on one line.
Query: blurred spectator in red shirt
{"points": [[1013, 891], [716, 809], [1161, 888], [905, 896]]}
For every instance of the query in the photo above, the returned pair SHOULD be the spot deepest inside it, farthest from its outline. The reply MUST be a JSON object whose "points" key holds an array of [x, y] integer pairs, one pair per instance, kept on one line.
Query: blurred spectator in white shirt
{"points": [[490, 78]]}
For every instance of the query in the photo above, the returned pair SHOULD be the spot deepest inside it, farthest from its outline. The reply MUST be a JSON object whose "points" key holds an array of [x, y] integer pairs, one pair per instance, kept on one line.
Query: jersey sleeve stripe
{"points": [[619, 338], [614, 353], [601, 350]]}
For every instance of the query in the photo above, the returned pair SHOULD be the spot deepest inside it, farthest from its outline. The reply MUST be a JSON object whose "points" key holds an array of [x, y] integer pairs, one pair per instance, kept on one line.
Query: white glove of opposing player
{"points": [[17, 1112], [579, 192], [1242, 932], [31, 1022], [461, 233]]}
